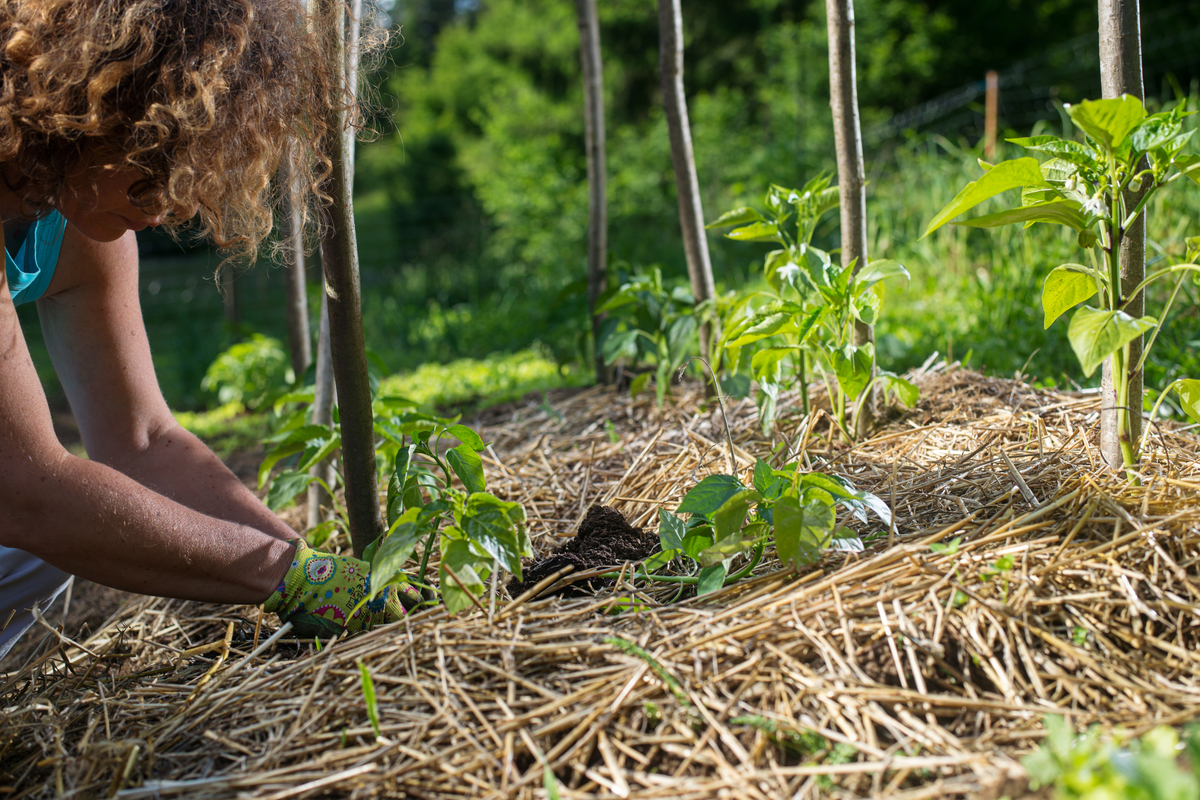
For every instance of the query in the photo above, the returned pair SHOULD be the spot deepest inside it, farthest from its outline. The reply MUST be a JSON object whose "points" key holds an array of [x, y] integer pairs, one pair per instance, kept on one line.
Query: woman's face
{"points": [[96, 202]]}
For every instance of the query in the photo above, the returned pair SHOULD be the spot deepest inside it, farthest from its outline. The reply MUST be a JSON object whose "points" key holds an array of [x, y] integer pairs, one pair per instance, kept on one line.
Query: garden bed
{"points": [[905, 670]]}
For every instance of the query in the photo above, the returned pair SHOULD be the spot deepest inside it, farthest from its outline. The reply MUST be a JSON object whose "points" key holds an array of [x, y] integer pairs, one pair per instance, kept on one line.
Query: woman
{"points": [[117, 115]]}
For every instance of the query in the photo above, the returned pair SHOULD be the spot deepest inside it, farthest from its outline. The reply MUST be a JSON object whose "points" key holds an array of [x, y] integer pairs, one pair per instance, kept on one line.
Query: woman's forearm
{"points": [[176, 464], [95, 522]]}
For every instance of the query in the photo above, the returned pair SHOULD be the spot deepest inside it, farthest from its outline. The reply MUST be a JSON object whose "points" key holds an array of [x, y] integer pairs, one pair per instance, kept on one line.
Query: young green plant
{"points": [[1082, 186]]}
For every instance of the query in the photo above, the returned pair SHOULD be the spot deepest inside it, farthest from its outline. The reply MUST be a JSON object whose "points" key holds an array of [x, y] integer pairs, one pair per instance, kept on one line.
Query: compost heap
{"points": [[902, 670]]}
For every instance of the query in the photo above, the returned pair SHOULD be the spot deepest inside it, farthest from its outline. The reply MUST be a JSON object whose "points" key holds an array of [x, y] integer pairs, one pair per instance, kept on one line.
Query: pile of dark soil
{"points": [[604, 539]]}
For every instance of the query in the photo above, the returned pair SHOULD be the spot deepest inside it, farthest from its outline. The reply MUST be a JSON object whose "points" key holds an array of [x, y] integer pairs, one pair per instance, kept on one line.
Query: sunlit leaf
{"points": [[1096, 334], [738, 216], [1109, 121], [802, 531], [1004, 176], [1189, 398], [468, 466], [709, 494], [1066, 286]]}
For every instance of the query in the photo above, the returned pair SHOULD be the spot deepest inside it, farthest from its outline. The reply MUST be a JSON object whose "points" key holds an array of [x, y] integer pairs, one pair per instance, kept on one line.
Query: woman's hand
{"points": [[321, 592]]}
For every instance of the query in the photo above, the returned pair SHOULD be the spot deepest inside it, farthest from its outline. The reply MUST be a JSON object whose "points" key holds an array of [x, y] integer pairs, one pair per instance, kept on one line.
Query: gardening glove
{"points": [[319, 592]]}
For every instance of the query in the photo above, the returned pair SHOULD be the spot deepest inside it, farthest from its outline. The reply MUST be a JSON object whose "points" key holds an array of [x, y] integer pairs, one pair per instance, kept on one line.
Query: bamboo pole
{"points": [[344, 292], [687, 185], [1121, 73], [295, 284], [991, 110], [594, 138], [847, 134]]}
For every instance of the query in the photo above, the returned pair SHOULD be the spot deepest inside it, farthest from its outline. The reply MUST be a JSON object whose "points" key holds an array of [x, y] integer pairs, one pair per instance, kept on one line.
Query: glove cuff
{"points": [[287, 594]]}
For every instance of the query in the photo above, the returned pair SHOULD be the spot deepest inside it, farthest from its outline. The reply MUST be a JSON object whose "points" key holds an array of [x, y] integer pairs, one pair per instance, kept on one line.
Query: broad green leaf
{"points": [[1004, 176], [639, 384], [802, 531], [660, 559], [763, 477], [766, 364], [497, 526], [395, 489], [285, 487], [389, 559], [867, 307], [1189, 398], [1096, 334], [1154, 131], [906, 392], [736, 385], [828, 484], [730, 546], [277, 455], [1066, 286], [1067, 150], [697, 541], [879, 270], [680, 337], [618, 345], [711, 579], [739, 216], [852, 365], [1059, 212], [671, 530], [729, 518], [1108, 122], [320, 454], [467, 436], [756, 232], [458, 558], [709, 494], [1189, 165], [468, 466], [1058, 170]]}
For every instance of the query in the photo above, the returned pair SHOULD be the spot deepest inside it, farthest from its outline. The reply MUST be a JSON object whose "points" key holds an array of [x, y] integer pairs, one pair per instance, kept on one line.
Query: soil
{"points": [[604, 539]]}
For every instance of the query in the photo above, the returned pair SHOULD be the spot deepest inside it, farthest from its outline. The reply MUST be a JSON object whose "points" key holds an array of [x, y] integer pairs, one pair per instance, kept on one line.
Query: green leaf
{"points": [[320, 454], [368, 690], [1096, 334], [1189, 165], [1154, 131], [906, 392], [1058, 212], [879, 270], [697, 541], [389, 558], [1108, 122], [1189, 398], [736, 385], [660, 559], [1065, 149], [671, 530], [285, 487], [618, 345], [764, 324], [711, 579], [724, 549], [680, 337], [458, 558], [1004, 176], [320, 534], [468, 437], [1066, 286], [834, 487], [852, 365], [739, 216], [277, 455], [709, 494], [639, 384], [763, 477], [766, 365], [756, 232], [497, 526], [802, 531], [468, 466], [395, 490], [729, 518]]}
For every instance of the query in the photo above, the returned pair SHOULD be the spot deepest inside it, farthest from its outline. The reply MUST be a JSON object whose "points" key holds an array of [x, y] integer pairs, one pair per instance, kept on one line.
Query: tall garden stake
{"points": [[296, 285], [593, 120], [847, 134], [687, 185], [1121, 73], [342, 287]]}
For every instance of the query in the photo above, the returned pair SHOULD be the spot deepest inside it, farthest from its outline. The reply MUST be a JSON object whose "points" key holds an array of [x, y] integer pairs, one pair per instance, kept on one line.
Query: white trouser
{"points": [[25, 580]]}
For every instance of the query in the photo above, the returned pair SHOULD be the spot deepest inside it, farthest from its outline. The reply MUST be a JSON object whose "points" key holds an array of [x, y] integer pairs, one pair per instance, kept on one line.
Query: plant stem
{"points": [[802, 374], [746, 570], [426, 593]]}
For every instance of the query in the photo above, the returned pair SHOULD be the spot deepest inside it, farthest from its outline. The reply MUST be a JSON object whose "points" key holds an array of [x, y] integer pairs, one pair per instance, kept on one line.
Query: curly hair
{"points": [[202, 97]]}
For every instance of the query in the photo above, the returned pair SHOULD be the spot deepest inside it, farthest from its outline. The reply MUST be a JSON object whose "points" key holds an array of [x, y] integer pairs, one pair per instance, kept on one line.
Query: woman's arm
{"points": [[153, 511]]}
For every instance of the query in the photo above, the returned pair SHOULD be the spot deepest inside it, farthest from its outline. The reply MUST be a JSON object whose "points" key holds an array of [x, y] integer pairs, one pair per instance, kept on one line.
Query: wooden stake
{"points": [[593, 114], [991, 109]]}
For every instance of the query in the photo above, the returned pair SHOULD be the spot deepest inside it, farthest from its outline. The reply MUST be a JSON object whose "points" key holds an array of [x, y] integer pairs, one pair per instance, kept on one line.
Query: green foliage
{"points": [[250, 372], [1083, 187], [649, 322], [497, 378], [805, 318], [1093, 767], [368, 690]]}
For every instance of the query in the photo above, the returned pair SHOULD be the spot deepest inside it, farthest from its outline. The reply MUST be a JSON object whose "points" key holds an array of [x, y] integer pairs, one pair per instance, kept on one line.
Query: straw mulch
{"points": [[897, 672]]}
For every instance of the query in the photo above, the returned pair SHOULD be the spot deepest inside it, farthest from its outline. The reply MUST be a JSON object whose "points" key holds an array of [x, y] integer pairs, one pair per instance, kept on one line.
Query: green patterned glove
{"points": [[320, 591]]}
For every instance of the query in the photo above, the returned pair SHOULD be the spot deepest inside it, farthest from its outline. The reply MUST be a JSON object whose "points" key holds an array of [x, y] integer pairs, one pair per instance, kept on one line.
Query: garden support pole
{"points": [[343, 289], [593, 121], [1121, 73], [687, 185], [852, 183], [324, 398]]}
